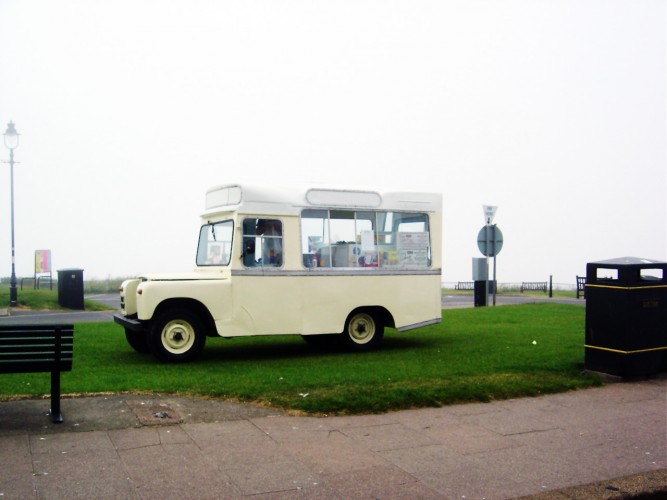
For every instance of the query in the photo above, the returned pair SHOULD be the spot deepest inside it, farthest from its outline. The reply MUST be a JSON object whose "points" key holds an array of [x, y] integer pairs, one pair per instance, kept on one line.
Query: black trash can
{"points": [[626, 316], [70, 288], [478, 293]]}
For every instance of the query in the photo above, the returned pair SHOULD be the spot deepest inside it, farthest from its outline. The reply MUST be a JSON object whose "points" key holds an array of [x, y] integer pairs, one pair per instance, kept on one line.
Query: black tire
{"points": [[177, 336], [324, 341], [138, 341], [363, 332]]}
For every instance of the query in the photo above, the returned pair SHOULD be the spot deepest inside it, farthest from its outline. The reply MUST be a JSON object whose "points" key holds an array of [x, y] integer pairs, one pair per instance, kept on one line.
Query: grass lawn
{"points": [[42, 299], [476, 354]]}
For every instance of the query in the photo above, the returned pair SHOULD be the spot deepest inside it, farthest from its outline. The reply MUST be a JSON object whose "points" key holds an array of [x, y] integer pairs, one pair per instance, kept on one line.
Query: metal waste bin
{"points": [[479, 295], [480, 270], [70, 288], [626, 316]]}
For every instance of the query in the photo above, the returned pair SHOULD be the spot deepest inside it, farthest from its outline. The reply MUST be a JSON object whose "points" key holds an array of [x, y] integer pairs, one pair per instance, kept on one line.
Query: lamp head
{"points": [[11, 136]]}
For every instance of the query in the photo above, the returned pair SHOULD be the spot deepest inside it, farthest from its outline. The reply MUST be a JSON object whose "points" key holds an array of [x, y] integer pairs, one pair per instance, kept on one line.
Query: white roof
{"points": [[291, 200]]}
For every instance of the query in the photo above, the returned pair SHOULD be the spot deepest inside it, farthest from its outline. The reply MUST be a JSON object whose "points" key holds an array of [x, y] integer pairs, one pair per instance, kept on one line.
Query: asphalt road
{"points": [[454, 301], [17, 315]]}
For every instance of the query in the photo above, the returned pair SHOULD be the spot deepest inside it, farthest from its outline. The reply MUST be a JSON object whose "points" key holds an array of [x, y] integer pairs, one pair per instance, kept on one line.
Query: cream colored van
{"points": [[328, 264]]}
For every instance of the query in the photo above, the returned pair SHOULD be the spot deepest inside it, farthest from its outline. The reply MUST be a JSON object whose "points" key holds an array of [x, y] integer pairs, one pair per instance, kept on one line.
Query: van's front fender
{"points": [[214, 294]]}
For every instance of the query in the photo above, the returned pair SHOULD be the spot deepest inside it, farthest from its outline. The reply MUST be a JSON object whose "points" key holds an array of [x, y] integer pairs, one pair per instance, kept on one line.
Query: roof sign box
{"points": [[343, 198]]}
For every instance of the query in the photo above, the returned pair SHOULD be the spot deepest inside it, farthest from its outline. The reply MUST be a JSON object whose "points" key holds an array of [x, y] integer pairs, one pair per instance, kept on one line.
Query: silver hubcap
{"points": [[178, 336]]}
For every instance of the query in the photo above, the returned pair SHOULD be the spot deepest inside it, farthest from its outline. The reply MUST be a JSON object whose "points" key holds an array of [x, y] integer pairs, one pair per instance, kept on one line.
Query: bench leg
{"points": [[56, 415]]}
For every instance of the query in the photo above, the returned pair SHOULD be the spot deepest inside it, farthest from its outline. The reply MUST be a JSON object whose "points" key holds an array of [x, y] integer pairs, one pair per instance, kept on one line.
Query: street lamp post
{"points": [[12, 142]]}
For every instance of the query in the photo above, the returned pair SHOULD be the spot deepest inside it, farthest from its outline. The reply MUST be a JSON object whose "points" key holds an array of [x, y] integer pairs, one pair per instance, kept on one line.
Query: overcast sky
{"points": [[129, 110]]}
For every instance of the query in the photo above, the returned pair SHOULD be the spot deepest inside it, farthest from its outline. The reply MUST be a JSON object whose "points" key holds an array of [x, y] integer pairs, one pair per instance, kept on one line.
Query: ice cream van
{"points": [[323, 263]]}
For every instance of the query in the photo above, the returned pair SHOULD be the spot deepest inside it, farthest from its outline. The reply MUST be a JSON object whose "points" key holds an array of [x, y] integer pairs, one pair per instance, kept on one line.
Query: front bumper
{"points": [[129, 323]]}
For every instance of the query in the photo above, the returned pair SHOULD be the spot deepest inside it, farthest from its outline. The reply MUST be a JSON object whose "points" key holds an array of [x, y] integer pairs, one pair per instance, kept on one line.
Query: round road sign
{"points": [[490, 240]]}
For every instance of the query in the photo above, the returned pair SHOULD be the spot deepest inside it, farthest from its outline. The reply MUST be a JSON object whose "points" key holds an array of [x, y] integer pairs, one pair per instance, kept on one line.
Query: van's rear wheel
{"points": [[177, 336], [363, 331]]}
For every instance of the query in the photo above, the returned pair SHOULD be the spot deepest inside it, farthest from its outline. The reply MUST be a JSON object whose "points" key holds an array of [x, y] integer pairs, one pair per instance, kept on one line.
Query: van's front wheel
{"points": [[138, 341], [177, 336], [362, 332]]}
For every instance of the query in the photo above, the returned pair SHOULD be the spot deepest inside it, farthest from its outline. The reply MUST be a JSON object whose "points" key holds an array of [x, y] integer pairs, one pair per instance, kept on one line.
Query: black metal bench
{"points": [[36, 349], [465, 285], [581, 286], [534, 286]]}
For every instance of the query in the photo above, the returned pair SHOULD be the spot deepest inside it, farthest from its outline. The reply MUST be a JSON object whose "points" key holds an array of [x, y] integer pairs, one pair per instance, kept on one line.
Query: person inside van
{"points": [[249, 252]]}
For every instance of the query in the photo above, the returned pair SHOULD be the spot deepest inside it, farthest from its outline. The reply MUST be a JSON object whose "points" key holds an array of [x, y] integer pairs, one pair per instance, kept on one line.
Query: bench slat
{"points": [[5, 335], [24, 334], [26, 341], [34, 356], [37, 349], [65, 362], [16, 343]]}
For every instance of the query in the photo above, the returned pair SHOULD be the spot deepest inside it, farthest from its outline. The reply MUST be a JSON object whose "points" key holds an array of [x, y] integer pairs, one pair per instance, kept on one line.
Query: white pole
{"points": [[494, 266], [486, 282]]}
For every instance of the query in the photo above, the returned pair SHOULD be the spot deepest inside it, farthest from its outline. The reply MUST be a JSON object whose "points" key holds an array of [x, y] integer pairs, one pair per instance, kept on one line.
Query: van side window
{"points": [[365, 239], [262, 243]]}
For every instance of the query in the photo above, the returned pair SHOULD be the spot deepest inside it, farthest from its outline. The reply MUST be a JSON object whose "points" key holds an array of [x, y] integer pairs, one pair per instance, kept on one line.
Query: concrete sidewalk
{"points": [[170, 447]]}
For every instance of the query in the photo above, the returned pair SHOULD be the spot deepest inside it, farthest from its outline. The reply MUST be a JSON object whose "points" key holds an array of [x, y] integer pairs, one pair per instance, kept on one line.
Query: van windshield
{"points": [[215, 244]]}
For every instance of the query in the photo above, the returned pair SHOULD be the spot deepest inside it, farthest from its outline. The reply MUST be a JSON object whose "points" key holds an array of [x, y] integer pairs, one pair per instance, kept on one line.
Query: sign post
{"points": [[490, 242]]}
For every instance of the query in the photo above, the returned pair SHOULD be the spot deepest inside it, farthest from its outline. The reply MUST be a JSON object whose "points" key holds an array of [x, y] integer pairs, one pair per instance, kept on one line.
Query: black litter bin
{"points": [[626, 316], [479, 294], [70, 288]]}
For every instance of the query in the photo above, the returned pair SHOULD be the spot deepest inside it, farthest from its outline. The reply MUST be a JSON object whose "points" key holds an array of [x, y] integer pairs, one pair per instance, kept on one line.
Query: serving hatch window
{"points": [[365, 239], [215, 244]]}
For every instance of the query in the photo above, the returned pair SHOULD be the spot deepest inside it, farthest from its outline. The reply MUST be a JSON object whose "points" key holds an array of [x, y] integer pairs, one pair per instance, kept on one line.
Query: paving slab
{"points": [[607, 442]]}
